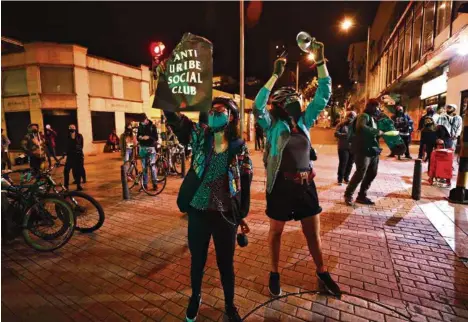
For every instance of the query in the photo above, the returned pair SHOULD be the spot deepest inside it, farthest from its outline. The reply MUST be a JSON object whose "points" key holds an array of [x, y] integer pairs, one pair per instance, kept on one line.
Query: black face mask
{"points": [[71, 130], [294, 110], [34, 131], [128, 131]]}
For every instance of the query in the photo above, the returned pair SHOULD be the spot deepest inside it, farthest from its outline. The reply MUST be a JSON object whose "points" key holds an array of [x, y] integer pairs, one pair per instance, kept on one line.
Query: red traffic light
{"points": [[157, 49]]}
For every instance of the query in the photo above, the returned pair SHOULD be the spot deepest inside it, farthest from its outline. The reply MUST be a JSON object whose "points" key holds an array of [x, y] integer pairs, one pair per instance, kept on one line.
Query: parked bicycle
{"points": [[135, 177], [175, 155], [46, 221], [88, 211]]}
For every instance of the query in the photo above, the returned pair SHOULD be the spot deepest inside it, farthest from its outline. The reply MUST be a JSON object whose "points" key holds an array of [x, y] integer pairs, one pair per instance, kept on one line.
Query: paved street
{"points": [[401, 254]]}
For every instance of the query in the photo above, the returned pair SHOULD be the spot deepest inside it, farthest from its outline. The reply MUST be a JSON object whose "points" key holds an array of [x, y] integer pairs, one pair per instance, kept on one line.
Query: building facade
{"points": [[419, 54], [57, 84]]}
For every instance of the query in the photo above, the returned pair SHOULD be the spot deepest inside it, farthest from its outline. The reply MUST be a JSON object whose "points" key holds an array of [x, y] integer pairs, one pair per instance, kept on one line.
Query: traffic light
{"points": [[157, 49]]}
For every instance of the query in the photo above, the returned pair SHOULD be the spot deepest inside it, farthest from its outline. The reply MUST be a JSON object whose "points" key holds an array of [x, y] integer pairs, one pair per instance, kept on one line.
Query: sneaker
{"points": [[232, 314], [409, 157], [346, 181], [340, 183], [274, 284], [364, 201], [391, 156], [348, 201], [329, 283], [193, 307], [79, 188]]}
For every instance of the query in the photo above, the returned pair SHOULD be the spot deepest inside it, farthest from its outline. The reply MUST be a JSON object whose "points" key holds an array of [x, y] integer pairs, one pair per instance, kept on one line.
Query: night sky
{"points": [[122, 31]]}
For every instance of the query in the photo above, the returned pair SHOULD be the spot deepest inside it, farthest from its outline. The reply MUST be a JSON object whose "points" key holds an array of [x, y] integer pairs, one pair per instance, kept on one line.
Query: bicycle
{"points": [[135, 177], [88, 211], [29, 211], [176, 157]]}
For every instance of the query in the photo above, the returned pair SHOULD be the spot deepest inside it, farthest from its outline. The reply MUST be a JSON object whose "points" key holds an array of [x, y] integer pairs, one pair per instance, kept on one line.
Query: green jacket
{"points": [[366, 136]]}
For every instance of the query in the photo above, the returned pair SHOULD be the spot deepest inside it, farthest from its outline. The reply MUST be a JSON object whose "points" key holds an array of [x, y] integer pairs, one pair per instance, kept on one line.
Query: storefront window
{"points": [[401, 51], [444, 11], [428, 29], [57, 80], [14, 82], [408, 31], [417, 29], [102, 123]]}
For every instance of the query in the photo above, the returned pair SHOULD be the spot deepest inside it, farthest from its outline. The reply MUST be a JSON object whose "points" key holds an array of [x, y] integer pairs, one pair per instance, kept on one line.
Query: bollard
{"points": [[459, 194], [417, 174], [123, 178]]}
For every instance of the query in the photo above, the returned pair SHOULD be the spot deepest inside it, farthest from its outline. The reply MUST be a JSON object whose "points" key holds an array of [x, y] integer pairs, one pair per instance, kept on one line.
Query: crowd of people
{"points": [[216, 190]]}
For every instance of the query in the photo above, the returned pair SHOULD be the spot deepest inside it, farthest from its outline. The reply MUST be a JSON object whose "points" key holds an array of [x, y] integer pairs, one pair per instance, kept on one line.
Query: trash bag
{"points": [[186, 81]]}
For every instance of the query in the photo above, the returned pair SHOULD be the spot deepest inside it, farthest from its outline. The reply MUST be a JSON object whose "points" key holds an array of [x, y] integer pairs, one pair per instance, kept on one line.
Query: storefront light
{"points": [[462, 47], [435, 86]]}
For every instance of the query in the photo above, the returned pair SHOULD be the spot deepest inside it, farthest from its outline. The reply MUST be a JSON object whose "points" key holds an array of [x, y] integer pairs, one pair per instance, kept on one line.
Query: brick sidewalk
{"points": [[136, 267]]}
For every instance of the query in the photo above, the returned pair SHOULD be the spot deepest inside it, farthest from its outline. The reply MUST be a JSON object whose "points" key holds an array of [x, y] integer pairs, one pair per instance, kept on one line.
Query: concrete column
{"points": [[33, 79], [83, 111], [119, 122]]}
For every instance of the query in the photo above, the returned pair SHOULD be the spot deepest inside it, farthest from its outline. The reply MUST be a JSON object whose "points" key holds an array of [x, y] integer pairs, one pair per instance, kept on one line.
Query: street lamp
{"points": [[345, 25], [311, 56]]}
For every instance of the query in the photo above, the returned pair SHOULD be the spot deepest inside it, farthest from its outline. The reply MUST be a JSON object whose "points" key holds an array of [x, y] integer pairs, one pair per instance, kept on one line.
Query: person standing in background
{"points": [[259, 137], [6, 162], [404, 124], [456, 124], [147, 138], [421, 127], [33, 145], [75, 157], [50, 136], [345, 155], [128, 143], [444, 127]]}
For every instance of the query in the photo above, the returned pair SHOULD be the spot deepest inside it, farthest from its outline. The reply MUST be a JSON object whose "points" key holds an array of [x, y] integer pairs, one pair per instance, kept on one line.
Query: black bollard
{"points": [[123, 178], [417, 174]]}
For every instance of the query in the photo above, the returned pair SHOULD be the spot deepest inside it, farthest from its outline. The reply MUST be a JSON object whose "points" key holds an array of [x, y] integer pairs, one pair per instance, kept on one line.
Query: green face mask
{"points": [[217, 120]]}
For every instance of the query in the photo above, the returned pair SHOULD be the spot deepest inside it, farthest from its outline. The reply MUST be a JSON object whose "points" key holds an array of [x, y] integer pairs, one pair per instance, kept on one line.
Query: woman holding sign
{"points": [[215, 193], [291, 191]]}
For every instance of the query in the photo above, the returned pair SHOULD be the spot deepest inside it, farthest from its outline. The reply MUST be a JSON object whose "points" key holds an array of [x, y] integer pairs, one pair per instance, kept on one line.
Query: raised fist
{"points": [[278, 67]]}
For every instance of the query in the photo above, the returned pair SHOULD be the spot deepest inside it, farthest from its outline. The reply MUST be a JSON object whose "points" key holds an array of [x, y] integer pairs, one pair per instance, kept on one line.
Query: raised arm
{"points": [[262, 116], [323, 93]]}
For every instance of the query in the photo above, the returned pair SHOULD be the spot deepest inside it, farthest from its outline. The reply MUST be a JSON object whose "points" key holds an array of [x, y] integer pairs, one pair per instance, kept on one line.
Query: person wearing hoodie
{"points": [[456, 124], [404, 124], [147, 137], [422, 125], [75, 158], [366, 149], [33, 145], [345, 155], [50, 137], [291, 193], [444, 124]]}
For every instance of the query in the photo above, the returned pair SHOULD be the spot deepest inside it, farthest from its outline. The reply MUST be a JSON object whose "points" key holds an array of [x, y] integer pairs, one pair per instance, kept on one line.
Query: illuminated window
{"points": [[132, 89], [428, 29], [14, 82], [417, 29], [444, 11], [401, 51], [57, 80], [100, 84], [408, 31]]}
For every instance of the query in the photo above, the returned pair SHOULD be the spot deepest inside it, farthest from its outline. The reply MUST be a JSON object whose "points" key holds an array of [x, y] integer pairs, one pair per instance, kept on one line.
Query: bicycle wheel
{"points": [[155, 185], [48, 224], [88, 211], [132, 173], [177, 162]]}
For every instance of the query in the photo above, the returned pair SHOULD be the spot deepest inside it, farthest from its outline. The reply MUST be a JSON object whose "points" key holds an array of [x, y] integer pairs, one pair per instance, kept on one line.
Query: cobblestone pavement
{"points": [[399, 255]]}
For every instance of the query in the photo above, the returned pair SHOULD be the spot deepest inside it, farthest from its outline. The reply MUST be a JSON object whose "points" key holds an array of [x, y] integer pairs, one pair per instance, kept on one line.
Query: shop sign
{"points": [[434, 87]]}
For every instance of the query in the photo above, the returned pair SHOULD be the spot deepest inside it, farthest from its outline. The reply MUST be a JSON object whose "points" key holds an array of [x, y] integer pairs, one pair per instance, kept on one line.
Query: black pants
{"points": [[6, 162], [406, 140], [421, 149], [366, 171], [74, 163], [35, 163], [259, 142], [51, 153], [201, 226], [429, 149], [345, 165]]}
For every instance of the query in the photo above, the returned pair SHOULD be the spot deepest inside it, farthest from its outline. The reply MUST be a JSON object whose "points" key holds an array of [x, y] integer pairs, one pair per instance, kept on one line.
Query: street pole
{"points": [[242, 71], [367, 64], [297, 76]]}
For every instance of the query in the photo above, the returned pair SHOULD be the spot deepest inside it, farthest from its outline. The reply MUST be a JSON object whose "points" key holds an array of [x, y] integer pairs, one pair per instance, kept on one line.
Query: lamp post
{"points": [[242, 71], [310, 57], [346, 24]]}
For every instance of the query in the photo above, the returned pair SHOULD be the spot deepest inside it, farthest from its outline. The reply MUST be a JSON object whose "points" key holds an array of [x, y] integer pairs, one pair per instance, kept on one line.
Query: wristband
{"points": [[322, 62]]}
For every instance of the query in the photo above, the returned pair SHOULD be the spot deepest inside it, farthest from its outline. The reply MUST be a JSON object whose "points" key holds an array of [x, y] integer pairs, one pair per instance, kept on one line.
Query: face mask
{"points": [[34, 131], [128, 131], [294, 110], [71, 130], [217, 120], [377, 113]]}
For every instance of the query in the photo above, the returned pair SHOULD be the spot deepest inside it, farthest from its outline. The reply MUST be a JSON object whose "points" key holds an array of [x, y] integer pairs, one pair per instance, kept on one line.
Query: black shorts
{"points": [[291, 201]]}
